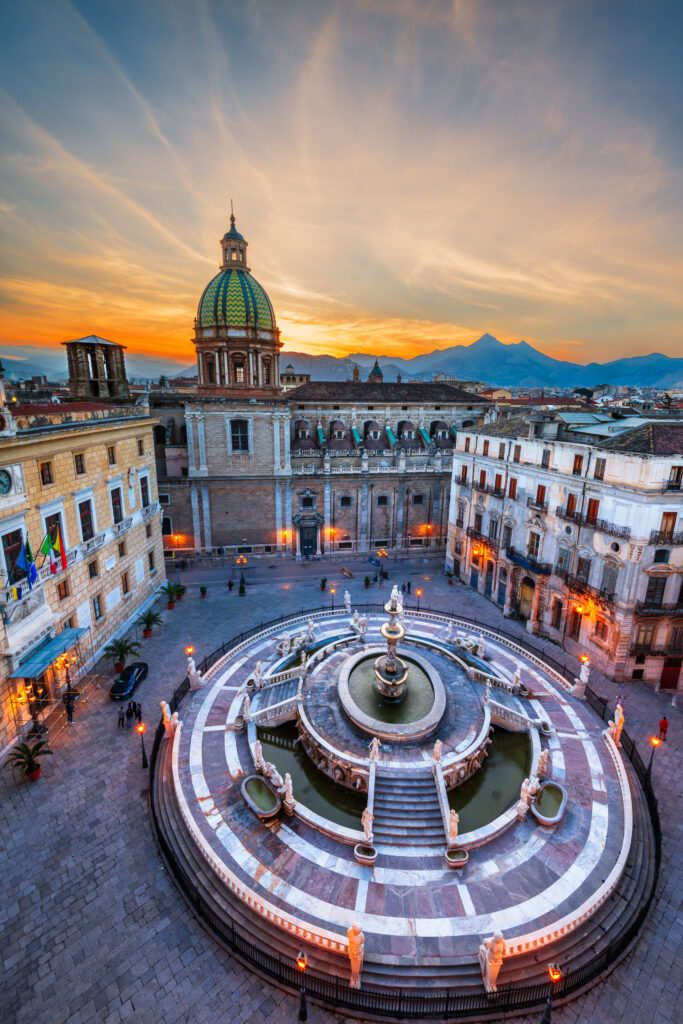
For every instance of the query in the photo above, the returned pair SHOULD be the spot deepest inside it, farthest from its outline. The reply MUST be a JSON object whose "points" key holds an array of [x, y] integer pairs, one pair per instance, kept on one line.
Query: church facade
{"points": [[249, 466]]}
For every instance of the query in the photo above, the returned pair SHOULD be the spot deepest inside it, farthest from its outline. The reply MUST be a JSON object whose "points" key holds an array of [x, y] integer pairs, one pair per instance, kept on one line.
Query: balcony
{"points": [[624, 532], [94, 543], [496, 492], [664, 651], [540, 506], [528, 561], [124, 525], [580, 586], [150, 510], [666, 539], [652, 608], [673, 485]]}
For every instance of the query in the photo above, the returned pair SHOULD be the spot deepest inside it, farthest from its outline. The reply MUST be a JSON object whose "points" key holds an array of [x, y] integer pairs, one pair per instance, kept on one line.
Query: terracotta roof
{"points": [[542, 400], [353, 391], [650, 439], [54, 408]]}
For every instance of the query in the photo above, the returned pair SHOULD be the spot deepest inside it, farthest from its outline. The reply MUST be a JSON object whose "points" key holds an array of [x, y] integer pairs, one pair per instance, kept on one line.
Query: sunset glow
{"points": [[408, 175]]}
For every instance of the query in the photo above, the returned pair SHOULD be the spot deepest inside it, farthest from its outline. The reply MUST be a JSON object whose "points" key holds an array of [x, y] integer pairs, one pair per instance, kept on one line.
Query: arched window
{"points": [[160, 434]]}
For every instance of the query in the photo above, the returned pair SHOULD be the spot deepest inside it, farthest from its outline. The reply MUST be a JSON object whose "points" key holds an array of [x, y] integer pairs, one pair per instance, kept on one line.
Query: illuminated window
{"points": [[45, 473]]}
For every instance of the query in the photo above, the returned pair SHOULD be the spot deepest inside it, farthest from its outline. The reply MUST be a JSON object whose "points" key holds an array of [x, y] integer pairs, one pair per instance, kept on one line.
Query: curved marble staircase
{"points": [[406, 809]]}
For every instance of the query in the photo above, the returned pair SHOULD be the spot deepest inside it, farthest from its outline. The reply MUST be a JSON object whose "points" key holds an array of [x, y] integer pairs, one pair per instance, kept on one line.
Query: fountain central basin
{"points": [[415, 716]]}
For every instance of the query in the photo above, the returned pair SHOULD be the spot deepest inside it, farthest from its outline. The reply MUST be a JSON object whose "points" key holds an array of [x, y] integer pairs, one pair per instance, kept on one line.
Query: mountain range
{"points": [[489, 360]]}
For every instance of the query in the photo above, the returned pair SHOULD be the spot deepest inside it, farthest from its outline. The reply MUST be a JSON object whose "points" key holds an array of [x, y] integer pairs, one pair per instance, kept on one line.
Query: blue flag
{"points": [[25, 561]]}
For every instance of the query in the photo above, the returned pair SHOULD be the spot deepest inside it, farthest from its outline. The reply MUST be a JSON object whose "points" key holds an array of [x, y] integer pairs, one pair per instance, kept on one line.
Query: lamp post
{"points": [[418, 594], [301, 962], [141, 730], [655, 741], [333, 591], [555, 975]]}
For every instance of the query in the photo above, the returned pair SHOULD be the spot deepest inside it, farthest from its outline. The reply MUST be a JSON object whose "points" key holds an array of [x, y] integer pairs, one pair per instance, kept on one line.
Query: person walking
{"points": [[138, 712], [663, 726], [230, 585], [403, 588], [408, 585], [70, 711], [130, 714], [122, 717]]}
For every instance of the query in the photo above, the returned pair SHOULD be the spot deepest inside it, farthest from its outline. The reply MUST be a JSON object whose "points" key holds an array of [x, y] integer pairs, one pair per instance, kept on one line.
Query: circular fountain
{"points": [[392, 673]]}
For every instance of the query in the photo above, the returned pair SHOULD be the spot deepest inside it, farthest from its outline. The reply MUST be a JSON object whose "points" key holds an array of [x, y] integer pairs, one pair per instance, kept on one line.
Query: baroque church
{"points": [[250, 463]]}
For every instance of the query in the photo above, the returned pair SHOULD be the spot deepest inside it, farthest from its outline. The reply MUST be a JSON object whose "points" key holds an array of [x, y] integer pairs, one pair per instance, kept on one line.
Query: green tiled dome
{"points": [[234, 298]]}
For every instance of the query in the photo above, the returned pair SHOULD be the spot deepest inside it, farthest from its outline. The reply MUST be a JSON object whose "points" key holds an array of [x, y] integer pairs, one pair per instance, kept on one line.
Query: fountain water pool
{"points": [[496, 785], [417, 701]]}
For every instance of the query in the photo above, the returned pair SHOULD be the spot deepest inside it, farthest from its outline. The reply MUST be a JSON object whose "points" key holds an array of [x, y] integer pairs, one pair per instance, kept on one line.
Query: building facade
{"points": [[251, 464], [580, 535], [83, 475]]}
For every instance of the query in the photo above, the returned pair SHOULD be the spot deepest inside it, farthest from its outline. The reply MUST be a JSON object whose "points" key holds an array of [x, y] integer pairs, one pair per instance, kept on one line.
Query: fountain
{"points": [[391, 672]]}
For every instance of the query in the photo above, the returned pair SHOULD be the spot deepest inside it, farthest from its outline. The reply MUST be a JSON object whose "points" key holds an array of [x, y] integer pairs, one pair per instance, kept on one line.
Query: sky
{"points": [[409, 175]]}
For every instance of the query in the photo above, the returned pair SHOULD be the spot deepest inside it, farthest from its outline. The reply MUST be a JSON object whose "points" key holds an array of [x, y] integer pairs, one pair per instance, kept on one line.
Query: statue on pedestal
{"points": [[523, 804], [175, 721], [453, 821], [259, 763], [617, 725], [374, 749], [491, 954], [166, 712], [481, 646], [356, 950], [581, 683], [438, 749], [367, 818], [362, 626], [543, 764], [195, 677], [273, 775], [289, 801], [311, 631], [257, 676], [347, 602], [246, 709]]}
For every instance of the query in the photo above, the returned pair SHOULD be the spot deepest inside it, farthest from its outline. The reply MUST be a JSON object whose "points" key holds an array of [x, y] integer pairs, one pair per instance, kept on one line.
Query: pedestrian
{"points": [[122, 717], [403, 587], [130, 714], [408, 586], [663, 726], [70, 710], [138, 712], [230, 585]]}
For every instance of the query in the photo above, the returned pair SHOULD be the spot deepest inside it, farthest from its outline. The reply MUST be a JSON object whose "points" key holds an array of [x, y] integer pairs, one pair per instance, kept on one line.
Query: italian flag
{"points": [[52, 550]]}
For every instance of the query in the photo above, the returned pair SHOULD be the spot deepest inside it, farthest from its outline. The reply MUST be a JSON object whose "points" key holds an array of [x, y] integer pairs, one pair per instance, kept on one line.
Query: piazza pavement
{"points": [[92, 929]]}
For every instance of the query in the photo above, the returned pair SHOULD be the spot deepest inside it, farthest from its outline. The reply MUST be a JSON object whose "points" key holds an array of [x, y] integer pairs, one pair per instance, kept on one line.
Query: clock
{"points": [[5, 482]]}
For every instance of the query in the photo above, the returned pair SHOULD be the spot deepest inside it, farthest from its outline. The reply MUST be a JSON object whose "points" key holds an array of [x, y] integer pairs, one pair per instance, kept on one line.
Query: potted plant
{"points": [[180, 589], [202, 591], [169, 592], [323, 583], [119, 650], [450, 578], [148, 620], [26, 757], [367, 582]]}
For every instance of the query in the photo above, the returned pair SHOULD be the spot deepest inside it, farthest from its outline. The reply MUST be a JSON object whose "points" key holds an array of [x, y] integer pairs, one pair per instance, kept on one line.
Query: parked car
{"points": [[127, 681]]}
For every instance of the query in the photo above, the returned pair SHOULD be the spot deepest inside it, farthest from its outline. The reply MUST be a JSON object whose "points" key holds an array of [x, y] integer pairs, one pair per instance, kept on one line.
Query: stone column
{"points": [[286, 426], [509, 590], [364, 516], [276, 442], [202, 445], [189, 423], [196, 528], [532, 622], [217, 371], [206, 508]]}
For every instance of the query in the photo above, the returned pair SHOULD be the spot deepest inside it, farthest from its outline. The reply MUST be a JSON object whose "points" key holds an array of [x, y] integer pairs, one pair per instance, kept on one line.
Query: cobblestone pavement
{"points": [[93, 930]]}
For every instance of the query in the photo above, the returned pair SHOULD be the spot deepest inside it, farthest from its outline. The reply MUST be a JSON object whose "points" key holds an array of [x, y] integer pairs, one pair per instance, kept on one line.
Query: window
{"points": [[166, 526], [63, 589], [148, 530], [545, 458], [45, 473], [540, 494], [111, 454], [599, 473], [239, 373], [578, 465], [92, 570], [655, 591], [486, 447], [345, 501], [638, 673], [164, 499], [144, 491], [116, 505], [534, 544], [11, 546], [575, 624], [512, 488], [517, 453], [493, 529], [610, 575], [141, 447], [571, 505], [53, 526], [150, 560], [86, 520], [668, 524], [463, 475], [482, 478], [661, 556], [68, 623], [266, 373], [592, 510], [556, 614], [79, 463], [307, 502], [418, 499], [382, 500], [675, 478], [239, 435], [645, 635], [583, 568], [97, 607], [563, 559], [122, 549], [467, 444], [501, 450], [478, 521], [601, 630], [460, 516], [507, 537], [498, 483], [125, 583]]}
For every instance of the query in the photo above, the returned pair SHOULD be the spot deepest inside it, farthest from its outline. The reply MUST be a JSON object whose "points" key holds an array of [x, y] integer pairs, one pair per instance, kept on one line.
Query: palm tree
{"points": [[26, 757], [119, 650], [148, 620], [170, 592]]}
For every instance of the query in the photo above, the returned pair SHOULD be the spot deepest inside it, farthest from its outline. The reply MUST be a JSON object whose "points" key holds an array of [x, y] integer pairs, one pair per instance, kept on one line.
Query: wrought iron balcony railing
{"points": [[661, 651], [540, 506], [581, 586], [496, 492], [652, 608], [602, 525], [665, 538], [528, 561]]}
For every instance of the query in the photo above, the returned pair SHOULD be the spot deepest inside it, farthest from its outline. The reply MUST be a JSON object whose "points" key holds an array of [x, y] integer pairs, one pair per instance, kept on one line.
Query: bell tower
{"points": [[97, 368]]}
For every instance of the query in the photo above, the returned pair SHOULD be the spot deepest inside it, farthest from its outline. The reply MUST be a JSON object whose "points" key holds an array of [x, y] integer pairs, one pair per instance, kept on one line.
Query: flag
{"points": [[59, 548], [47, 549], [25, 561]]}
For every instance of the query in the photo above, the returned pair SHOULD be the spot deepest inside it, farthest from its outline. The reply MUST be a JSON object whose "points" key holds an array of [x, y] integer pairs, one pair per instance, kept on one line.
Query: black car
{"points": [[130, 677]]}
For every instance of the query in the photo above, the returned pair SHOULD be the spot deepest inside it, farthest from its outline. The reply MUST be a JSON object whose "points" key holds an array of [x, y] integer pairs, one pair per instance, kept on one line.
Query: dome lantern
{"points": [[233, 247]]}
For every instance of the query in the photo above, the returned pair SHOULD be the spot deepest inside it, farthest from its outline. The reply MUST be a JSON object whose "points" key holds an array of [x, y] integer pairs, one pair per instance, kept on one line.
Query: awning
{"points": [[41, 659]]}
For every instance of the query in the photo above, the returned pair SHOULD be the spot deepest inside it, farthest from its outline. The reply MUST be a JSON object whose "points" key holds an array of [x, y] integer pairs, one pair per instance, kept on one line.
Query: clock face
{"points": [[5, 482]]}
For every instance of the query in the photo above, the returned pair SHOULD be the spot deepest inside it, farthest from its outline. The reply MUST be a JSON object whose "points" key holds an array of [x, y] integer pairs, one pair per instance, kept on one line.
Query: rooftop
{"points": [[660, 438], [353, 391]]}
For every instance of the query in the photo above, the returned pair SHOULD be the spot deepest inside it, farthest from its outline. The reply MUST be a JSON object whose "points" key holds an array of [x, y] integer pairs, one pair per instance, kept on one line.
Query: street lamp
{"points": [[655, 741], [301, 962], [418, 594], [555, 975], [141, 730], [333, 591]]}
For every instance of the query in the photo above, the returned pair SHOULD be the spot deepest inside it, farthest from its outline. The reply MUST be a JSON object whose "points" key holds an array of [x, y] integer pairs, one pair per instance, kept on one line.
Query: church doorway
{"points": [[526, 597], [308, 541]]}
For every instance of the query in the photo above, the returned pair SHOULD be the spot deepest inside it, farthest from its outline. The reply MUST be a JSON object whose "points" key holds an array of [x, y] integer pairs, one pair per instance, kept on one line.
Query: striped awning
{"points": [[42, 658]]}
